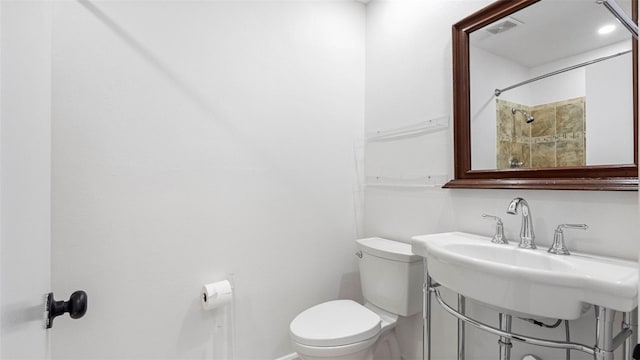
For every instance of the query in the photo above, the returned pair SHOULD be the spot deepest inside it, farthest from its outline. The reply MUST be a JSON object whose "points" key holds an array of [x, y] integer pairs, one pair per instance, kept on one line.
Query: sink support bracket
{"points": [[504, 343], [606, 342], [604, 333], [510, 335], [462, 304], [630, 322], [426, 314]]}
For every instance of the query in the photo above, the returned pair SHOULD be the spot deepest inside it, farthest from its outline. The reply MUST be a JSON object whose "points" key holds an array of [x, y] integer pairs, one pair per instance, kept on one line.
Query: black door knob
{"points": [[76, 306]]}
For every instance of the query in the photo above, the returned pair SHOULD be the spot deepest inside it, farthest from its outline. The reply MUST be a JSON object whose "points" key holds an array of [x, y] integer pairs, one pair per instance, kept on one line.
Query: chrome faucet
{"points": [[527, 236]]}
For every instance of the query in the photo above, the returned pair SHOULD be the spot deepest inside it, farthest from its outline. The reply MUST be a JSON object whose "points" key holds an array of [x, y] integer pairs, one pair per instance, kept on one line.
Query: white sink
{"points": [[528, 281]]}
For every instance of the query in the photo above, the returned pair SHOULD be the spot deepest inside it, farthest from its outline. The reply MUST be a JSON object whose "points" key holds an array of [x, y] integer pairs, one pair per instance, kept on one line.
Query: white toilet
{"points": [[391, 280]]}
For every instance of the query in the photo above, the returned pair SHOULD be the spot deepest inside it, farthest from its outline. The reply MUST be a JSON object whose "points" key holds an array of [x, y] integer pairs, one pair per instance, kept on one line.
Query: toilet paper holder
{"points": [[216, 295]]}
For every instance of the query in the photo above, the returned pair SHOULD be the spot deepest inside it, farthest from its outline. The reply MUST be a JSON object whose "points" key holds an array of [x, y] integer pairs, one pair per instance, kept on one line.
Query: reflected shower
{"points": [[527, 117]]}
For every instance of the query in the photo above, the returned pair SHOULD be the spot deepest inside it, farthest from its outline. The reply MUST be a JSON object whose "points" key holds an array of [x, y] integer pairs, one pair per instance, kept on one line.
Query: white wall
{"points": [[488, 72], [567, 85], [574, 83], [610, 103], [409, 48], [196, 139], [25, 170]]}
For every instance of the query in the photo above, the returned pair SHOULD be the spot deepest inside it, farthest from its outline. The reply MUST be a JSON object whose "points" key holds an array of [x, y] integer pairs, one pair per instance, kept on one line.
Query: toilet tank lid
{"points": [[388, 249]]}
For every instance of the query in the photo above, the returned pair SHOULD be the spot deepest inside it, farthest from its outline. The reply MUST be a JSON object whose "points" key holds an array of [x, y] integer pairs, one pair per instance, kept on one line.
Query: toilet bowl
{"points": [[391, 278], [358, 351], [341, 329]]}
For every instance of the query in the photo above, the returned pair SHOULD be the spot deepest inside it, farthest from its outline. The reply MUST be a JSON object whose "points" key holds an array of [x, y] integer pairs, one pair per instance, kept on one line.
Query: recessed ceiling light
{"points": [[606, 29]]}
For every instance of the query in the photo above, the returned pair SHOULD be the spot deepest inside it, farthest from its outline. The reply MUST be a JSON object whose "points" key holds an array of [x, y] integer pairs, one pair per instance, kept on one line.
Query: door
{"points": [[25, 177]]}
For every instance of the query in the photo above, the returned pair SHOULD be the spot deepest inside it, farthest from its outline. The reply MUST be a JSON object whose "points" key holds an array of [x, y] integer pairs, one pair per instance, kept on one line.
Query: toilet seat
{"points": [[335, 323]]}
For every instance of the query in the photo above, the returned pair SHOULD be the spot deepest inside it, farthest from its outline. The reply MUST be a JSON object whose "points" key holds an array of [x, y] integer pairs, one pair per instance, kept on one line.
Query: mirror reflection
{"points": [[551, 86]]}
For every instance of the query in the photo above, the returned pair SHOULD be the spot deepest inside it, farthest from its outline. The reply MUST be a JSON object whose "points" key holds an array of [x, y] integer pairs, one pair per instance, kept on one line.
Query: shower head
{"points": [[527, 117]]}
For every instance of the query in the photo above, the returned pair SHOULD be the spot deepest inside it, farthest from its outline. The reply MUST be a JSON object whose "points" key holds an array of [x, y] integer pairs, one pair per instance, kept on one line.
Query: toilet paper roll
{"points": [[215, 295]]}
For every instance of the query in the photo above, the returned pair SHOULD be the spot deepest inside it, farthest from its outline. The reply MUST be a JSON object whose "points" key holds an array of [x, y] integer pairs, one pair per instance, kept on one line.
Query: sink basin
{"points": [[528, 281]]}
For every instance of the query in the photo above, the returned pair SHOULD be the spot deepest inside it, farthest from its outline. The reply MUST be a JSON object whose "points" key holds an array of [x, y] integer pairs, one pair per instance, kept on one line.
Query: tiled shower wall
{"points": [[555, 138]]}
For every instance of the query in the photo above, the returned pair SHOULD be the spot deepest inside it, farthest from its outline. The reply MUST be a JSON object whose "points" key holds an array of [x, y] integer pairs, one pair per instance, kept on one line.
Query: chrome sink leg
{"points": [[604, 333], [505, 343], [426, 314], [461, 336], [630, 321]]}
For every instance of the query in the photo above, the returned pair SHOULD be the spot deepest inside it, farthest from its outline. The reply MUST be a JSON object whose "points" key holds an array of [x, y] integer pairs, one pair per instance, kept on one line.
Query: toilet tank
{"points": [[391, 276]]}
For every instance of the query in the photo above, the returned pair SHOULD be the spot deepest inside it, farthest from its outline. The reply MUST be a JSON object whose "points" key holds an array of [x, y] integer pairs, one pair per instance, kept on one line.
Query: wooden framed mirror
{"points": [[582, 138]]}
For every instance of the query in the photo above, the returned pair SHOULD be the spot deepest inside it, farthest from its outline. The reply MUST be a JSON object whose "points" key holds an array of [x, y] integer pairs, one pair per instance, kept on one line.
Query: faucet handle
{"points": [[573, 226], [558, 247], [498, 237]]}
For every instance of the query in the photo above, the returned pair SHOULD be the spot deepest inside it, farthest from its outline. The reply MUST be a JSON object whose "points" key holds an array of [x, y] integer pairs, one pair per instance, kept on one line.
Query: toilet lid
{"points": [[334, 323]]}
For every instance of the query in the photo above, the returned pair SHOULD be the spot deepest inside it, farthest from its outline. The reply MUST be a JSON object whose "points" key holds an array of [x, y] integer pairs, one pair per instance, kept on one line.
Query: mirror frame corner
{"points": [[601, 177]]}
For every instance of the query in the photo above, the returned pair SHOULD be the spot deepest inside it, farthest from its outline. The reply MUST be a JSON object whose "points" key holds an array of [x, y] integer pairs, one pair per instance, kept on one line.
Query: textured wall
{"points": [[555, 137]]}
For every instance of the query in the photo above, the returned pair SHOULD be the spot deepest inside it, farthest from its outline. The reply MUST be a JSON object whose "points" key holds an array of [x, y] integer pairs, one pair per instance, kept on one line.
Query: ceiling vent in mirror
{"points": [[503, 26]]}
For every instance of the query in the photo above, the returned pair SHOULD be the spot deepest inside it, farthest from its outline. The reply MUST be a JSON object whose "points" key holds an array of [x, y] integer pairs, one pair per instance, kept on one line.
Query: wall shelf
{"points": [[421, 128], [422, 182]]}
